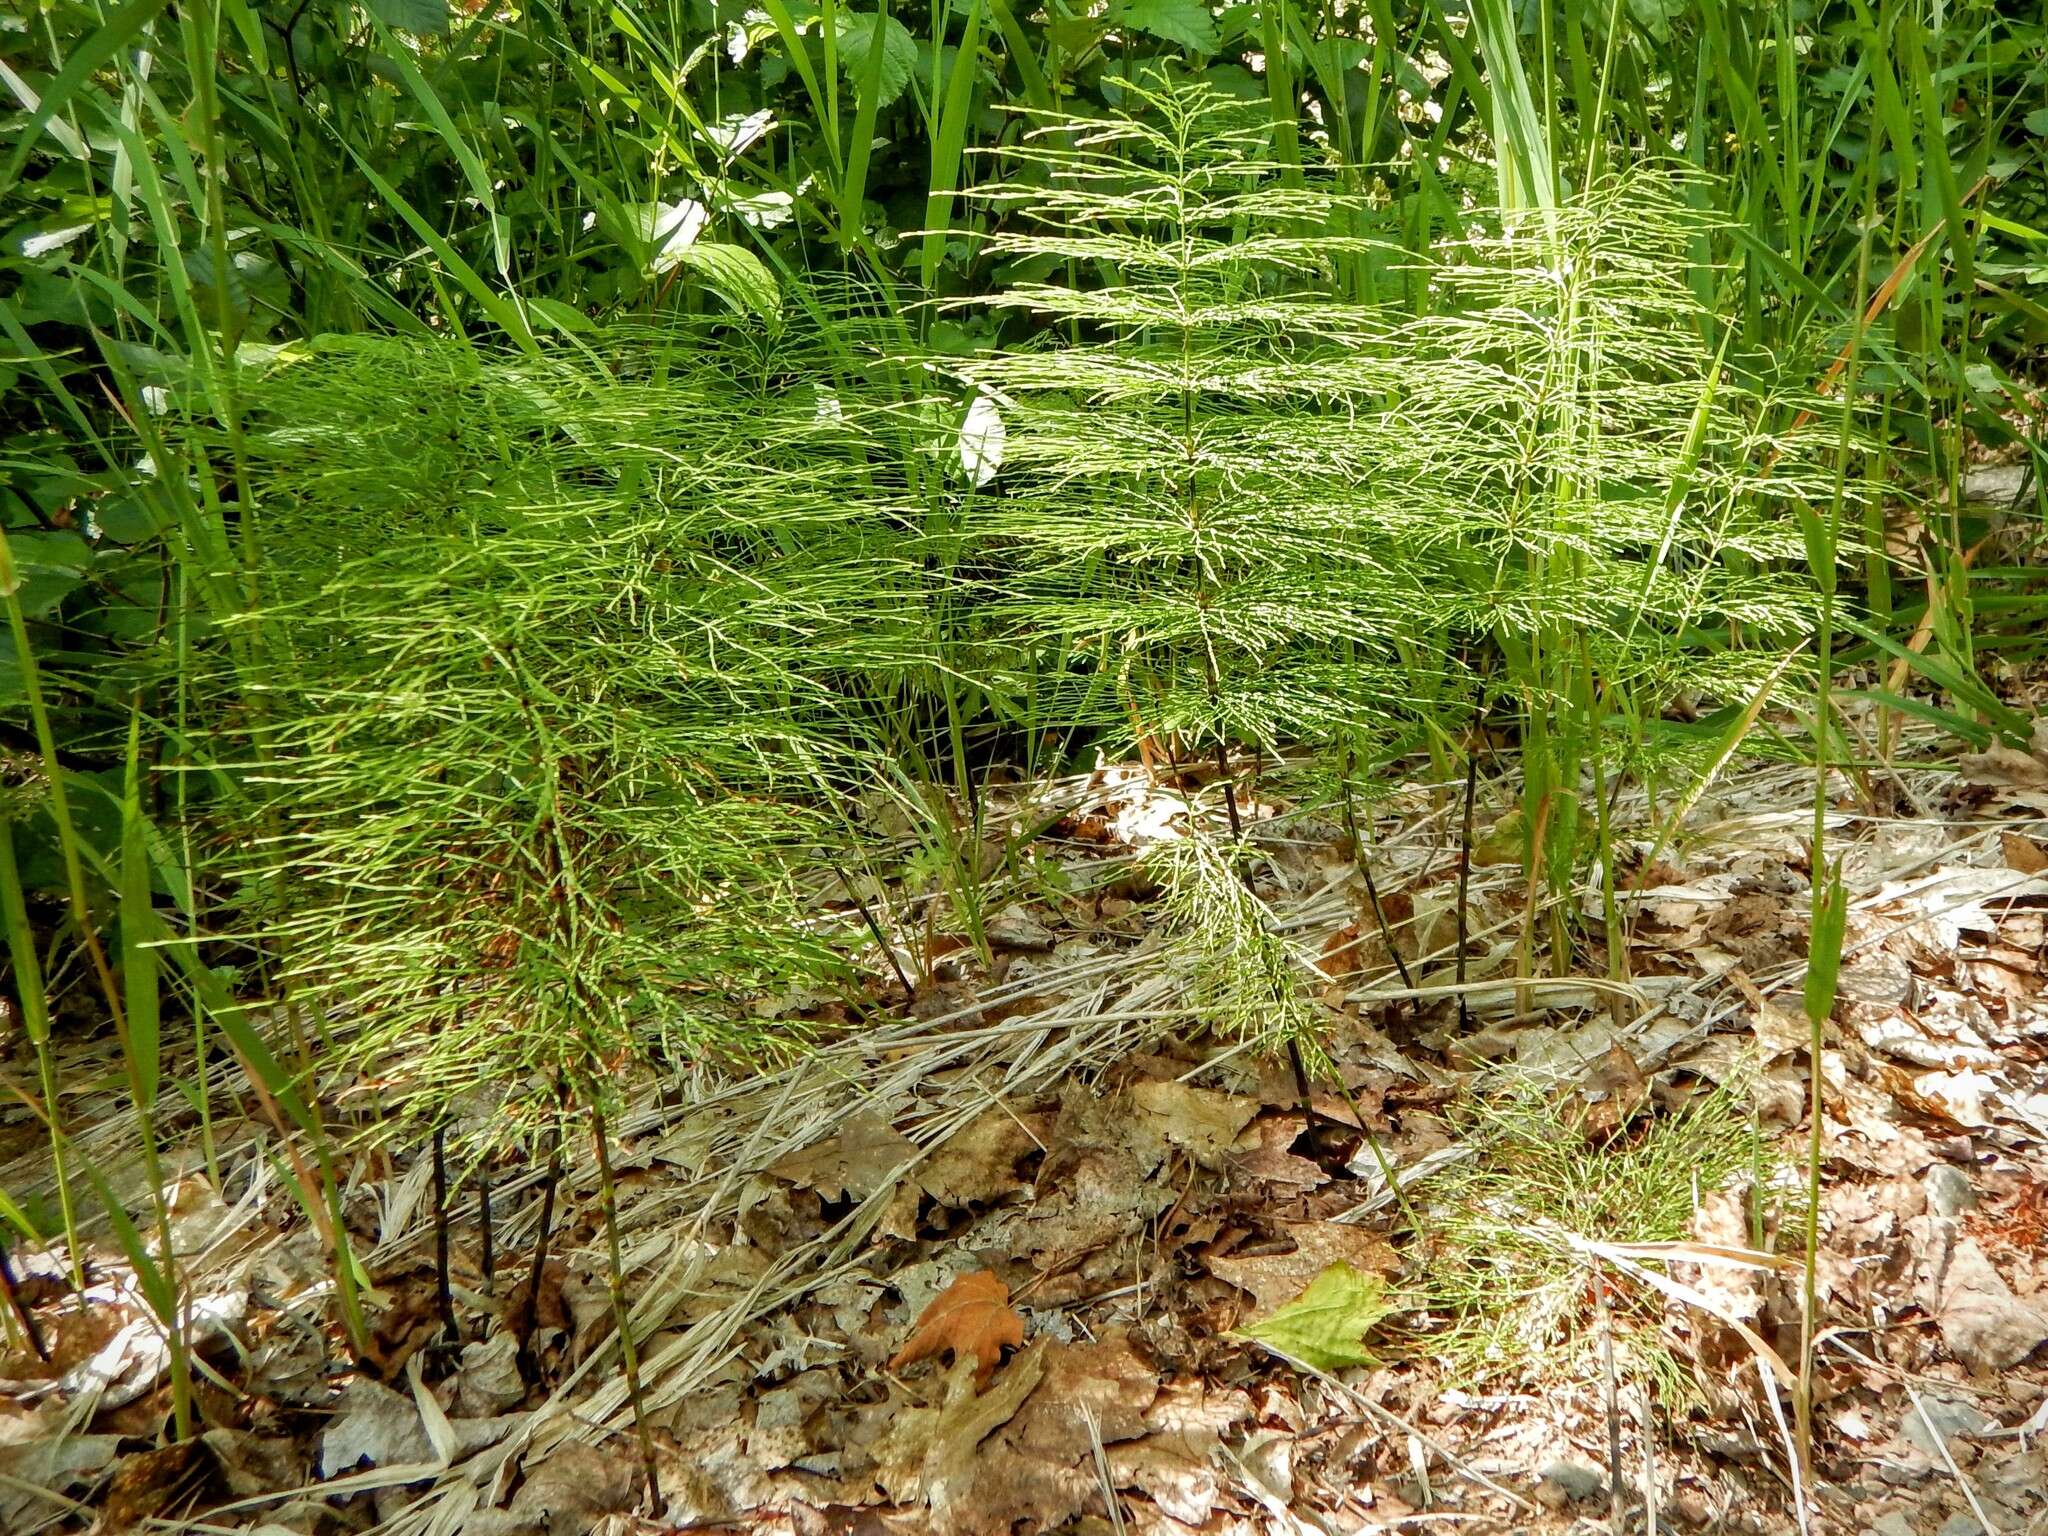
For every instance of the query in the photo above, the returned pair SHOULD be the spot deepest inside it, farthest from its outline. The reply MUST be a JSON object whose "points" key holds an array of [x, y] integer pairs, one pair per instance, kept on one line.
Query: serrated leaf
{"points": [[427, 17], [1326, 1325], [736, 275], [1186, 22], [857, 36]]}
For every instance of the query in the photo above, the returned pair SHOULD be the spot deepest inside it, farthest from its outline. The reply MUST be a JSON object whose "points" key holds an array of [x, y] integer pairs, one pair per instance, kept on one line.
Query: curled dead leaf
{"points": [[972, 1316]]}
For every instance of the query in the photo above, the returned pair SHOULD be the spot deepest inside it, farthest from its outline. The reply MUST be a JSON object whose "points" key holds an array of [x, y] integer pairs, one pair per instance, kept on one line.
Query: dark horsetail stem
{"points": [[875, 928], [1229, 791], [444, 1293], [530, 1313], [1372, 891], [629, 1352], [1465, 878]]}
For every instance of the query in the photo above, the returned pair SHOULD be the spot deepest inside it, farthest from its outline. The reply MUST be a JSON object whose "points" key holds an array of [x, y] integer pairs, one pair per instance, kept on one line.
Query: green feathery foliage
{"points": [[573, 654], [1192, 514], [1249, 506], [1612, 484], [1241, 977]]}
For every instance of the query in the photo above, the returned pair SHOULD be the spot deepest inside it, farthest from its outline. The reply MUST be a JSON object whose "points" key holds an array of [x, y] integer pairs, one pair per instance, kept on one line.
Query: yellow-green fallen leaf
{"points": [[1502, 843], [1326, 1325]]}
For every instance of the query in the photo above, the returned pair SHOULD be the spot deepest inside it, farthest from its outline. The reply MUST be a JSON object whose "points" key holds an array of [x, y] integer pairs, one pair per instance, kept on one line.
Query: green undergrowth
{"points": [[1514, 1299]]}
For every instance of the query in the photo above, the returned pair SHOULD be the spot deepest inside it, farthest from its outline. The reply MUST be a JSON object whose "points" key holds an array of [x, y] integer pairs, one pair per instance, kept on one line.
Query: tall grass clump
{"points": [[1617, 491], [568, 661]]}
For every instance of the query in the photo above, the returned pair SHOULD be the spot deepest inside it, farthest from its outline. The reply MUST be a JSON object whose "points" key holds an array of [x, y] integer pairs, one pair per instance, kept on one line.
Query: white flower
{"points": [[981, 440]]}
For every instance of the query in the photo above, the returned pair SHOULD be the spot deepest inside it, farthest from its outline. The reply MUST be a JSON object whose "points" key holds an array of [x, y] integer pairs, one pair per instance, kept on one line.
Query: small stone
{"points": [[1573, 1481], [1014, 928], [1984, 1325], [1949, 1418], [1948, 1190], [1893, 1524], [1961, 1523]]}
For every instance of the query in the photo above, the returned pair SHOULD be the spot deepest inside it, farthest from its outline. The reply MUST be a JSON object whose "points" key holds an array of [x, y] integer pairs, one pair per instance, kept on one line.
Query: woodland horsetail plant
{"points": [[503, 495], [1249, 507]]}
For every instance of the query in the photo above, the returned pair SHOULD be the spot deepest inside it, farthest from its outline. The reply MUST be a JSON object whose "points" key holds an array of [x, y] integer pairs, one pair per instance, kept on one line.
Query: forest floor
{"points": [[1027, 1255]]}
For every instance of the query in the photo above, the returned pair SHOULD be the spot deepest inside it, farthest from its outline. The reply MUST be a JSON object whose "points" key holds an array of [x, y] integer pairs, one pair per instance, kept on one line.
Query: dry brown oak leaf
{"points": [[972, 1316]]}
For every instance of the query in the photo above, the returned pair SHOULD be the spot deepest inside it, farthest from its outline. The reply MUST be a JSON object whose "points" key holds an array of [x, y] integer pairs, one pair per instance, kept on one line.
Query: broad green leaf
{"points": [[735, 275], [1326, 1326], [49, 565], [657, 234], [1186, 22], [856, 36], [1824, 953], [138, 929], [159, 1289], [1657, 16], [427, 17], [563, 317]]}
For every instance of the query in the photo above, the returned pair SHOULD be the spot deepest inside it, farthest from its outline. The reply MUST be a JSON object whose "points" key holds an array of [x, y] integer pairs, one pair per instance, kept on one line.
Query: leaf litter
{"points": [[1044, 1257]]}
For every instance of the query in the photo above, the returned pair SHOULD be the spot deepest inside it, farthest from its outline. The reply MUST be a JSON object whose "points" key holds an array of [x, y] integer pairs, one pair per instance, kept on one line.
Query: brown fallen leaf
{"points": [[928, 1454], [2023, 854], [972, 1316], [978, 1166], [1203, 1124], [867, 1155], [1610, 1094], [156, 1484], [2003, 767], [1340, 955], [1985, 1326]]}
